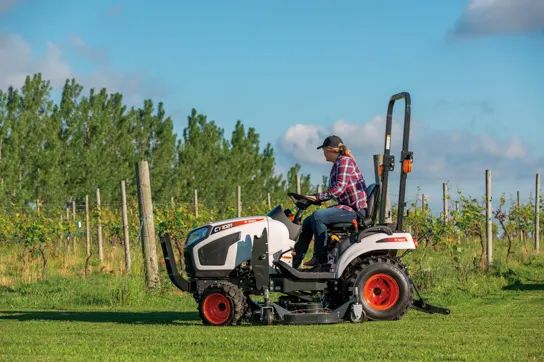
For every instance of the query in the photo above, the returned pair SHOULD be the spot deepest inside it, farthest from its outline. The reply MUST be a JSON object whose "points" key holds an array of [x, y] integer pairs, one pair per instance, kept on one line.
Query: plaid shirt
{"points": [[346, 185]]}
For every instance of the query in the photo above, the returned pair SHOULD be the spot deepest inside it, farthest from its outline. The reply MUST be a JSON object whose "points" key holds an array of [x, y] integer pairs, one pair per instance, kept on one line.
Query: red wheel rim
{"points": [[381, 291], [216, 308]]}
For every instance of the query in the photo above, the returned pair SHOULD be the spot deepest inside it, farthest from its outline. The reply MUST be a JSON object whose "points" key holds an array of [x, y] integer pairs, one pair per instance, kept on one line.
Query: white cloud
{"points": [[300, 141], [17, 61], [459, 157], [485, 17], [438, 155]]}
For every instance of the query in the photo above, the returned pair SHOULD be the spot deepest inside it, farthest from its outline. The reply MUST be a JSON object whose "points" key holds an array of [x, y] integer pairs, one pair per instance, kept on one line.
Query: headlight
{"points": [[197, 235]]}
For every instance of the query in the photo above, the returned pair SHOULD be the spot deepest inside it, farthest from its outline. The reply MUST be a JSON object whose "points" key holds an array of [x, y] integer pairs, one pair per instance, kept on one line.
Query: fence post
{"points": [[99, 227], [87, 226], [488, 216], [196, 203], [151, 265], [537, 212], [298, 183], [269, 201], [445, 200], [128, 261], [74, 210], [239, 200]]}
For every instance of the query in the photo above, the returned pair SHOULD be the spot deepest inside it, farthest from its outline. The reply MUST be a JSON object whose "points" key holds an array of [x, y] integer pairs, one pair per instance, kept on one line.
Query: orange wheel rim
{"points": [[216, 308], [381, 291]]}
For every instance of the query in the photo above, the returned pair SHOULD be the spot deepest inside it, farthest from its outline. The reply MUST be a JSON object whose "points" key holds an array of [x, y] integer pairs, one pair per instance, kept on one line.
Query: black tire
{"points": [[221, 304], [384, 287]]}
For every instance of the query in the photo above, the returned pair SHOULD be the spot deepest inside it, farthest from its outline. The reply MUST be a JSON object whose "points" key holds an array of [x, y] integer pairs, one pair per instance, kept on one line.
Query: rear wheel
{"points": [[221, 304], [383, 287]]}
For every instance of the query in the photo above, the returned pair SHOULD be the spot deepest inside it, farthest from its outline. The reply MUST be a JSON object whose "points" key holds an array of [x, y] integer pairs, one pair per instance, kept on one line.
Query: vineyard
{"points": [[50, 282]]}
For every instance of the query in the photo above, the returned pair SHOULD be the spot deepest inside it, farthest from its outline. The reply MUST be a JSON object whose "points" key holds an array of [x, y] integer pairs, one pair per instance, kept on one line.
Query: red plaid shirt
{"points": [[346, 185]]}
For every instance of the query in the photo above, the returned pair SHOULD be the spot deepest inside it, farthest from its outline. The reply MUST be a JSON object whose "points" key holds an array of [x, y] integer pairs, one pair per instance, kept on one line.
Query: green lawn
{"points": [[507, 325]]}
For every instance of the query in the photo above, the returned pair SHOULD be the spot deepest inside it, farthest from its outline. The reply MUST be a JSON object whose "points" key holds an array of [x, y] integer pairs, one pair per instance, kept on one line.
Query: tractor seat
{"points": [[372, 192]]}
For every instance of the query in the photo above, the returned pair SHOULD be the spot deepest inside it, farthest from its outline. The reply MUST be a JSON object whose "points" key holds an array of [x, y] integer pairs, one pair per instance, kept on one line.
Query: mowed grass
{"points": [[507, 325]]}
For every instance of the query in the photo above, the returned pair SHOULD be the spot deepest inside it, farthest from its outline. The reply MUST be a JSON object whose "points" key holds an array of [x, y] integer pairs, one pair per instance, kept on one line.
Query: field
{"points": [[496, 315]]}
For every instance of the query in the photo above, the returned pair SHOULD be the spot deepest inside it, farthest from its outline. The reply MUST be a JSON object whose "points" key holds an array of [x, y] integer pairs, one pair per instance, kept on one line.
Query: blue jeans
{"points": [[316, 225]]}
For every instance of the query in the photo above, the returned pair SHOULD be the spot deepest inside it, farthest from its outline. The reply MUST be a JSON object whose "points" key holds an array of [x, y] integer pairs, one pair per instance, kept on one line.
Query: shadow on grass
{"points": [[520, 286], [104, 317]]}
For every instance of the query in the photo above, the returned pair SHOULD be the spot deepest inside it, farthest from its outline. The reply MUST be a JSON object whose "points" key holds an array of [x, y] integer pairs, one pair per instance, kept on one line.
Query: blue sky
{"points": [[298, 71]]}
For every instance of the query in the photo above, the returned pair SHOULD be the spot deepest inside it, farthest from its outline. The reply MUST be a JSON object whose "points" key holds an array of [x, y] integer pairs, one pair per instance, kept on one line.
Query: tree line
{"points": [[56, 149]]}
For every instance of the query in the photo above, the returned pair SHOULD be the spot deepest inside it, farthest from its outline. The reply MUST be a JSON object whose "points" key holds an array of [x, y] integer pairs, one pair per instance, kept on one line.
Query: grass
{"points": [[496, 315]]}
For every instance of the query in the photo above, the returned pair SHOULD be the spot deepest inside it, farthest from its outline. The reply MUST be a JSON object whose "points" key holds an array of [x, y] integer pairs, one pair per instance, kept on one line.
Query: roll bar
{"points": [[406, 158]]}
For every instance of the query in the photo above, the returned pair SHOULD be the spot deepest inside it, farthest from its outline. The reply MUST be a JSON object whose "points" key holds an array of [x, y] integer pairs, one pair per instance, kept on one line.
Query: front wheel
{"points": [[221, 304], [383, 287]]}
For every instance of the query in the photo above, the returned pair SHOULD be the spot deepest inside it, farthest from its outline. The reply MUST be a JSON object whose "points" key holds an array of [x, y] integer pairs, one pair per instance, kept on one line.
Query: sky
{"points": [[298, 71]]}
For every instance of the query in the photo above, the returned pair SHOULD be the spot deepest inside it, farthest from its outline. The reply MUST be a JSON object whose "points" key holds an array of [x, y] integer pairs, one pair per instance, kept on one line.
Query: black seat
{"points": [[372, 194]]}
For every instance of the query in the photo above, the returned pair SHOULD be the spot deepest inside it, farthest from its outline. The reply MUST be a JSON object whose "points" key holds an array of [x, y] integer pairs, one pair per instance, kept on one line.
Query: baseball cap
{"points": [[331, 141]]}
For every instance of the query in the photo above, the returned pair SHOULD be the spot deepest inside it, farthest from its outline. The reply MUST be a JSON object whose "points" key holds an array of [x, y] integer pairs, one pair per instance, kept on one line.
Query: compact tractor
{"points": [[232, 261]]}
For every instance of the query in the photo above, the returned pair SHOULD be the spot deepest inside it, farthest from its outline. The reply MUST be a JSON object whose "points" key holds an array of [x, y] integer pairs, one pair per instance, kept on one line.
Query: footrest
{"points": [[296, 274]]}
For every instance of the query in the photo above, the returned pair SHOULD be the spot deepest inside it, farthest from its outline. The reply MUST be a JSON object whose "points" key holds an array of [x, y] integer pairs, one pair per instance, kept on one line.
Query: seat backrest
{"points": [[372, 196]]}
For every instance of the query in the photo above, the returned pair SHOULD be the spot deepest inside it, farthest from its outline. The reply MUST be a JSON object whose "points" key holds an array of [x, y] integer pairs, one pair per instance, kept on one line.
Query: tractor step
{"points": [[286, 269]]}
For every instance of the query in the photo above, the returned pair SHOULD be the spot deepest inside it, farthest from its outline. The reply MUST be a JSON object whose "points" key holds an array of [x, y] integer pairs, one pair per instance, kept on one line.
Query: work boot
{"points": [[312, 262]]}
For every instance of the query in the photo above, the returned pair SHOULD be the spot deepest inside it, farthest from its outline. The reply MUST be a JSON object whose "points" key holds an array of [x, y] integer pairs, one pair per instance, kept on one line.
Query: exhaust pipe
{"points": [[171, 267]]}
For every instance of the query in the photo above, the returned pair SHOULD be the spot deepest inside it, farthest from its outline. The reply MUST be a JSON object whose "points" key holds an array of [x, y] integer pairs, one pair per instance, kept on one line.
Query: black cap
{"points": [[331, 141]]}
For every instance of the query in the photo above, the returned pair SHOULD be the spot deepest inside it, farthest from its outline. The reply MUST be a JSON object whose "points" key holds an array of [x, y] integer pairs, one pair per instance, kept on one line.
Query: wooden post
{"points": [[172, 203], [87, 226], [269, 201], [537, 212], [128, 261], [445, 201], [38, 206], [239, 200], [488, 216], [520, 231], [149, 247], [298, 183], [99, 227], [67, 214], [74, 210], [196, 202]]}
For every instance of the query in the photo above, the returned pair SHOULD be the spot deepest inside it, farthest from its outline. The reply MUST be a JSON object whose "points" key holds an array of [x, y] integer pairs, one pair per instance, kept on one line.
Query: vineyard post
{"points": [[149, 246], [239, 200], [87, 226], [196, 203], [128, 262], [537, 212], [38, 206], [445, 200], [269, 201], [74, 220], [488, 215], [520, 232], [298, 183], [68, 214], [172, 203], [99, 227]]}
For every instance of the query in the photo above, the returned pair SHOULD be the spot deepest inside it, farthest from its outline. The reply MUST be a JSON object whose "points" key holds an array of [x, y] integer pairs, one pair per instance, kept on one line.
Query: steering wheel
{"points": [[303, 199]]}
